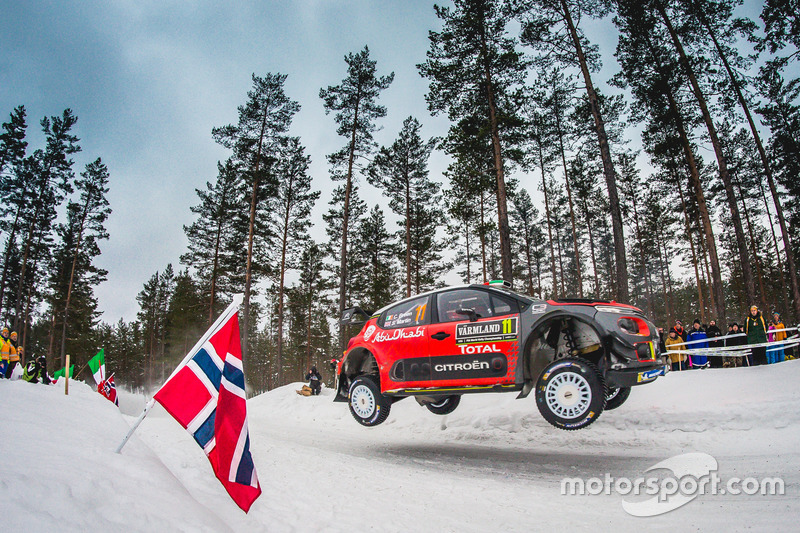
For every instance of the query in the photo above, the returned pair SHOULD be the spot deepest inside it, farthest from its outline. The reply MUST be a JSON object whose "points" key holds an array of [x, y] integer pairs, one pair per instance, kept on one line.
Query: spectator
{"points": [[779, 336], [678, 327], [314, 381], [712, 332], [5, 348], [36, 371], [697, 334], [732, 361], [674, 345], [10, 350], [756, 331]]}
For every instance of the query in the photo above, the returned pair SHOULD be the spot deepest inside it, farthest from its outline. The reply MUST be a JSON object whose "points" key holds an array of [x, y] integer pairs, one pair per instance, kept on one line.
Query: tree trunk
{"points": [[700, 299], [694, 173], [747, 272], [408, 240], [250, 234], [571, 210], [549, 229], [282, 282], [622, 293], [483, 240], [502, 209], [591, 248], [787, 247], [72, 276], [756, 258], [775, 244], [346, 221]]}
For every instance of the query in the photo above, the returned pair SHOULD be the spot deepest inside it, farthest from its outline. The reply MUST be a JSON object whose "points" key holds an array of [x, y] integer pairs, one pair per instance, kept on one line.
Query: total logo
{"points": [[369, 332], [479, 348]]}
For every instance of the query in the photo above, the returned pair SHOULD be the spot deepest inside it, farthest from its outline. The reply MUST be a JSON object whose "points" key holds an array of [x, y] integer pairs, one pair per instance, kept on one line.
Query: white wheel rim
{"points": [[568, 395], [362, 401], [440, 404], [612, 394]]}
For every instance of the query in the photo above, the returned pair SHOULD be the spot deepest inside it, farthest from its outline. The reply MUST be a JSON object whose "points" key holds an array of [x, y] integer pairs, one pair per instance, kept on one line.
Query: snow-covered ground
{"points": [[492, 465]]}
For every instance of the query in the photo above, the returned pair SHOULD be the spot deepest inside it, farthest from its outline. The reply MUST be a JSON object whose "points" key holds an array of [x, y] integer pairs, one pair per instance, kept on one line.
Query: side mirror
{"points": [[473, 317]]}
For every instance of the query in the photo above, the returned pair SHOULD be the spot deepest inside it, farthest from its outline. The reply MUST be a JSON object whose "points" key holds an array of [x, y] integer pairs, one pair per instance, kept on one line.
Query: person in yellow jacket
{"points": [[13, 354], [674, 343], [780, 354], [5, 348]]}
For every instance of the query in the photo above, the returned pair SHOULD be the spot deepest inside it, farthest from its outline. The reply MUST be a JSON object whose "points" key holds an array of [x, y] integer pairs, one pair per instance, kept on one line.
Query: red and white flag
{"points": [[108, 388], [206, 395]]}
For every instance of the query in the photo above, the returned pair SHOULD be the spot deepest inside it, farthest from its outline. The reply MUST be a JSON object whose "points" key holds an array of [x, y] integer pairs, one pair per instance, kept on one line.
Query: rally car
{"points": [[579, 357]]}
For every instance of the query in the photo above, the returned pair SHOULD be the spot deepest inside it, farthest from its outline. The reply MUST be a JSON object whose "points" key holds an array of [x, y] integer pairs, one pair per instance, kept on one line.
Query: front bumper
{"points": [[631, 377]]}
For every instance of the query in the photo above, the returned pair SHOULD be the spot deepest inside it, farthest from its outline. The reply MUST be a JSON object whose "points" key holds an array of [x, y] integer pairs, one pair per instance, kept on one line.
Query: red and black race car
{"points": [[579, 356]]}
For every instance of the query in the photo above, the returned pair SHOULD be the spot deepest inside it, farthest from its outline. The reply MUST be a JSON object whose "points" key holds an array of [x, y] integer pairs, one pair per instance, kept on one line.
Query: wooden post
{"points": [[66, 380]]}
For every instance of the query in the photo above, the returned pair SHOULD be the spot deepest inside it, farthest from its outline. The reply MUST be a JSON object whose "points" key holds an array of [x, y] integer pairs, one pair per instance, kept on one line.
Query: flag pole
{"points": [[233, 308], [136, 424]]}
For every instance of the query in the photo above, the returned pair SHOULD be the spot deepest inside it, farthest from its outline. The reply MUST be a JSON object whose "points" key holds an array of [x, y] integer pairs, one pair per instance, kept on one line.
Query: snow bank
{"points": [[492, 464]]}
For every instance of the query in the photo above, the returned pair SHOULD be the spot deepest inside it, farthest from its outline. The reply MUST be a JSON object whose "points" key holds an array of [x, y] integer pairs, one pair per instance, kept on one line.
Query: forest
{"points": [[700, 217]]}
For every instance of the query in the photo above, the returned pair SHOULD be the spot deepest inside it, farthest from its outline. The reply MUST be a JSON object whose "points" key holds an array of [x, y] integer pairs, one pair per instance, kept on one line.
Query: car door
{"points": [[474, 338], [401, 344]]}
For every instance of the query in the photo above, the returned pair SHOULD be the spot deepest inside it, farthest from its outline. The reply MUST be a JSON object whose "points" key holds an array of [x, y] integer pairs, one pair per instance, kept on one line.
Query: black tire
{"points": [[367, 405], [444, 406], [616, 397], [570, 393]]}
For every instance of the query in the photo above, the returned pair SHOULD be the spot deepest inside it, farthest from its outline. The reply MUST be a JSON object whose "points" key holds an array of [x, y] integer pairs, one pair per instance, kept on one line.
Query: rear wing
{"points": [[354, 315]]}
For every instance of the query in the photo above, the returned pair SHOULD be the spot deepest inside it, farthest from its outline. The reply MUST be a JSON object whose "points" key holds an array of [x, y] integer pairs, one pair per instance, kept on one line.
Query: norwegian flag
{"points": [[108, 388], [205, 394]]}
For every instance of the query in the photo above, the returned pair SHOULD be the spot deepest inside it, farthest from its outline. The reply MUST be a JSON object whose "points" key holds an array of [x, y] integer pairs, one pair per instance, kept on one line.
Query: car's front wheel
{"points": [[367, 405], [616, 397], [570, 393], [444, 406]]}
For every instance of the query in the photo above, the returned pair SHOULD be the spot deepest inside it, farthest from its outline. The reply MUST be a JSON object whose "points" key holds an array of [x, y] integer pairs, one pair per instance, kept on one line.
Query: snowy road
{"points": [[494, 464]]}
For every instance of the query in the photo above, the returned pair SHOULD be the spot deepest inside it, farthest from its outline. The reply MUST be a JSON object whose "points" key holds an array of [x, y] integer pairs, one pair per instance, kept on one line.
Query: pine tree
{"points": [[255, 140], [51, 174], [376, 281], [549, 27], [401, 171], [214, 246], [355, 103], [530, 254], [476, 71], [14, 184], [290, 218]]}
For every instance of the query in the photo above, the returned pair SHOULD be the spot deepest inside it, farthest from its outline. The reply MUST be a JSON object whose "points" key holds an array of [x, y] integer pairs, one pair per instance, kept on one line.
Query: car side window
{"points": [[503, 306], [450, 302], [410, 313]]}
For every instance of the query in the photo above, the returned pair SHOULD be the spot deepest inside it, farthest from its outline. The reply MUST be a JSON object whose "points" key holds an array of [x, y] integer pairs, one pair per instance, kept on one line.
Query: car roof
{"points": [[503, 291]]}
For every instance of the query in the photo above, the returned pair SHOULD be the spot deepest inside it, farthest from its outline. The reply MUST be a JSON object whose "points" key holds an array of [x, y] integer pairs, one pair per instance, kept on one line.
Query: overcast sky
{"points": [[148, 81]]}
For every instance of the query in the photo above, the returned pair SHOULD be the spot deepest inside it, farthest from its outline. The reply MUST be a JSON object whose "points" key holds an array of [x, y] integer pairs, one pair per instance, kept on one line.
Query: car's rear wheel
{"points": [[367, 405], [444, 406], [616, 397], [570, 393]]}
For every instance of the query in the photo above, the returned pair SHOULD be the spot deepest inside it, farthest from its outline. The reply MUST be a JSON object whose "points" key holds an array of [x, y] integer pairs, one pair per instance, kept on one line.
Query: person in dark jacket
{"points": [[756, 330], [314, 380], [712, 331], [734, 341], [697, 334]]}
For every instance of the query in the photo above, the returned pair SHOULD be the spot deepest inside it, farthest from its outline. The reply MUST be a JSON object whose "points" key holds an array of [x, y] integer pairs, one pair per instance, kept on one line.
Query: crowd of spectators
{"points": [[752, 337]]}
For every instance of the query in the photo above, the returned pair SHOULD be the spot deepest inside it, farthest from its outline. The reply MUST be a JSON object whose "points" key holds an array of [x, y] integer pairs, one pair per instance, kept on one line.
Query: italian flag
{"points": [[60, 373], [98, 366]]}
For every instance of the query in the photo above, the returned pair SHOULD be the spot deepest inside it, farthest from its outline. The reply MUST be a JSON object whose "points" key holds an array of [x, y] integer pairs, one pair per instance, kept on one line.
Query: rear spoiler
{"points": [[355, 315]]}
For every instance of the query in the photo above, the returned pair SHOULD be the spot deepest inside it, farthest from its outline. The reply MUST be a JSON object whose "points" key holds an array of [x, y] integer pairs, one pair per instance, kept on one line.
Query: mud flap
{"points": [[526, 389]]}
